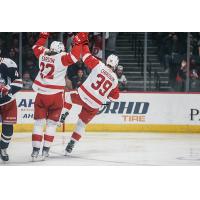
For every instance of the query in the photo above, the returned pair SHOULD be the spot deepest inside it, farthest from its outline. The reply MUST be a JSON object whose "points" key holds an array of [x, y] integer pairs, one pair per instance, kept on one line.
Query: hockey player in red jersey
{"points": [[49, 85], [101, 85]]}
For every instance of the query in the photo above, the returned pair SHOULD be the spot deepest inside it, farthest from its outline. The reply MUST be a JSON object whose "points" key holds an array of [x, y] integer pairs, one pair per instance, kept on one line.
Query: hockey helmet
{"points": [[57, 47], [112, 61]]}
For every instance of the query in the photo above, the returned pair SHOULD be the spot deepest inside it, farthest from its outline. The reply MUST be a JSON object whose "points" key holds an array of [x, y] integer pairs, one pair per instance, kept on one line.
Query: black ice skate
{"points": [[45, 152], [3, 154], [69, 147], [35, 153]]}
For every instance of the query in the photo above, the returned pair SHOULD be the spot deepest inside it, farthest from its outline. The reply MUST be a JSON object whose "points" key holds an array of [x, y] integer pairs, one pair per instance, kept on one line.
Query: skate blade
{"points": [[67, 153], [34, 159], [5, 162], [44, 158], [37, 159]]}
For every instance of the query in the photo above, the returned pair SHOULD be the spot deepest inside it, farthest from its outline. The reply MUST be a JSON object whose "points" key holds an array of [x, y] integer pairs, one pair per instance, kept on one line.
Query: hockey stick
{"points": [[105, 104], [63, 127]]}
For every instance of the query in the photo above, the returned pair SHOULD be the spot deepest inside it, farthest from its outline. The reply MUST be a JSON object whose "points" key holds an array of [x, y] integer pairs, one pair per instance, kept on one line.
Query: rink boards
{"points": [[145, 112]]}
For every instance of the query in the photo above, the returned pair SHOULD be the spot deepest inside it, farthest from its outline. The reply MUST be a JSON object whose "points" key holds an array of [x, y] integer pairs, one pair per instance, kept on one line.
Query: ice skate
{"points": [[35, 154], [3, 154], [69, 147], [45, 153]]}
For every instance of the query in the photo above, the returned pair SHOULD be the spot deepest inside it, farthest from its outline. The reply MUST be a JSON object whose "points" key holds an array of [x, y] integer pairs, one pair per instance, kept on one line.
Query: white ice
{"points": [[143, 149]]}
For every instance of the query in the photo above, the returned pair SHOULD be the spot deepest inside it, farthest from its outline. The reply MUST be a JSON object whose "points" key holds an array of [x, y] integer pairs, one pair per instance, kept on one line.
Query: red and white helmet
{"points": [[57, 47], [112, 61]]}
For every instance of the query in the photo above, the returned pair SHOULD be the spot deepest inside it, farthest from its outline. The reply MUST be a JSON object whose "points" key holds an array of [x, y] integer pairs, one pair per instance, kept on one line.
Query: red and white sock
{"points": [[48, 139], [37, 134], [50, 133], [75, 137], [79, 130]]}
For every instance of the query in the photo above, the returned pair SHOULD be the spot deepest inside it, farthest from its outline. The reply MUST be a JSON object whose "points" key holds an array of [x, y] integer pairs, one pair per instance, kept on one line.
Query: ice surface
{"points": [[145, 149]]}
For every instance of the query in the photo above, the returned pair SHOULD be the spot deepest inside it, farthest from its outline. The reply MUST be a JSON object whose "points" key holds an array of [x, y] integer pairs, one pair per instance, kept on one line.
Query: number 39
{"points": [[106, 85]]}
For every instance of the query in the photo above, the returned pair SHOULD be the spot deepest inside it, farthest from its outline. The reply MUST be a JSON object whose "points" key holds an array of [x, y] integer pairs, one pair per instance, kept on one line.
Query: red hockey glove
{"points": [[81, 38], [4, 90], [44, 35]]}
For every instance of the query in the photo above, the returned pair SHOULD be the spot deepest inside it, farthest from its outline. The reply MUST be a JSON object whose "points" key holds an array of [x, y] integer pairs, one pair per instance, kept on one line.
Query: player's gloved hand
{"points": [[63, 116], [4, 90], [81, 38], [44, 35]]}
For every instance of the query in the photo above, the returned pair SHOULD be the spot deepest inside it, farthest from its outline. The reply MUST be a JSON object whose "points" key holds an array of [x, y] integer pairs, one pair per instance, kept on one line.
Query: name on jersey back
{"points": [[48, 59], [107, 75]]}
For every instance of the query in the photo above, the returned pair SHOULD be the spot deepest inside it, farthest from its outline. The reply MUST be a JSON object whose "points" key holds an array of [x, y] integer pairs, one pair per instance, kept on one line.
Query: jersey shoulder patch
{"points": [[9, 63]]}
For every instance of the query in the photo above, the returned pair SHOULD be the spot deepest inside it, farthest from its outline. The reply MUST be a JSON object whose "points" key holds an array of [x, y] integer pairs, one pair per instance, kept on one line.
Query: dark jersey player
{"points": [[10, 83]]}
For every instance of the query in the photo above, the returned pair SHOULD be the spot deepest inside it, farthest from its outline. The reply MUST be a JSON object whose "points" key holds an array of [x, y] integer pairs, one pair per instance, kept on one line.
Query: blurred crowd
{"points": [[76, 75], [172, 51]]}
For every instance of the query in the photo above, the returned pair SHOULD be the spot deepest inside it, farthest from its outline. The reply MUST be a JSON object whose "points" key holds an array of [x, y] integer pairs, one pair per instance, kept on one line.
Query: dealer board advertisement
{"points": [[131, 108]]}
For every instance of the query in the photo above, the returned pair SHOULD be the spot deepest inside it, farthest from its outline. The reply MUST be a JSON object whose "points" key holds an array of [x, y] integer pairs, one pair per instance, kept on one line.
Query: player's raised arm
{"points": [[39, 48], [72, 57], [88, 58]]}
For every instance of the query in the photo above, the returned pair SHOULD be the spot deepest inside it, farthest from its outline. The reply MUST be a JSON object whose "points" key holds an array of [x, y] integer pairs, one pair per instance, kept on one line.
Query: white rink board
{"points": [[160, 109]]}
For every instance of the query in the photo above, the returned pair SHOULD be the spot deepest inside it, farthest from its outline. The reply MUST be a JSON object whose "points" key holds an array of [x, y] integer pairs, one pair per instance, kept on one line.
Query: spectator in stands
{"points": [[97, 46], [2, 46], [175, 47], [15, 43], [194, 75], [27, 48], [73, 70], [54, 37], [198, 44], [68, 83], [29, 41], [182, 75], [165, 51], [27, 82], [174, 58], [78, 79], [32, 68], [13, 55], [194, 44], [122, 81], [171, 51]]}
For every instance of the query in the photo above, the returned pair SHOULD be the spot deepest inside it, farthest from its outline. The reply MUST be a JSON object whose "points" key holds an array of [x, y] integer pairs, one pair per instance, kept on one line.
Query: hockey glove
{"points": [[81, 38], [4, 90], [44, 35]]}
